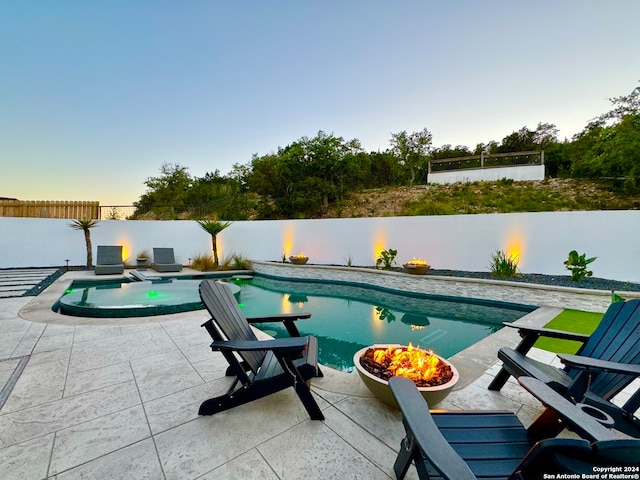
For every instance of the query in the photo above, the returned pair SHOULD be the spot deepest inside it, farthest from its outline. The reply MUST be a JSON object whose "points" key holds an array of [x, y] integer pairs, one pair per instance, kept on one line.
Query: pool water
{"points": [[345, 317], [130, 299]]}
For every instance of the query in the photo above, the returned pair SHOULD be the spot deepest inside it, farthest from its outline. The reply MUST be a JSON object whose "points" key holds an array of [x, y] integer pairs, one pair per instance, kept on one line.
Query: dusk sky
{"points": [[96, 95]]}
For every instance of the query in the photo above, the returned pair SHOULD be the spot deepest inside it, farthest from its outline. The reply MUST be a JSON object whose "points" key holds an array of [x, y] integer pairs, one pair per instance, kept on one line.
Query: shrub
{"points": [[503, 266], [577, 265], [234, 262], [203, 262], [505, 182], [386, 258]]}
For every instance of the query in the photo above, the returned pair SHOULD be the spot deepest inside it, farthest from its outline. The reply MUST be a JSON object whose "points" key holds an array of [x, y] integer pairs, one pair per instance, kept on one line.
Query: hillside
{"points": [[484, 197]]}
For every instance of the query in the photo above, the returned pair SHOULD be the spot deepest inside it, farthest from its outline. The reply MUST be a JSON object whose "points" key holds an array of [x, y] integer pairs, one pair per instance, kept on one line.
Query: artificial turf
{"points": [[575, 321]]}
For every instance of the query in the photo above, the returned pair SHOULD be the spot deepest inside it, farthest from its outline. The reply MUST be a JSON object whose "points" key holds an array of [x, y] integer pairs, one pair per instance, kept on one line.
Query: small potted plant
{"points": [[299, 259], [142, 259], [416, 266]]}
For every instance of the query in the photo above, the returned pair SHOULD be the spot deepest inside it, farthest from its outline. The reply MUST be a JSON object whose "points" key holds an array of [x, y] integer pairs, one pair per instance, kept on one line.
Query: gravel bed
{"points": [[555, 280]]}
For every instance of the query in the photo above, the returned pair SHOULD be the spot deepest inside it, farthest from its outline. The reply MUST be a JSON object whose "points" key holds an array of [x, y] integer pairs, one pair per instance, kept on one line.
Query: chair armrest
{"points": [[281, 345], [548, 332], [280, 317], [580, 422], [421, 428], [287, 319], [587, 363]]}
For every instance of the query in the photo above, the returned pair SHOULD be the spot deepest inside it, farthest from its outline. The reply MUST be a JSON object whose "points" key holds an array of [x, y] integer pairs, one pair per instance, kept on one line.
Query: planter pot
{"points": [[298, 260], [142, 263], [380, 388], [416, 269]]}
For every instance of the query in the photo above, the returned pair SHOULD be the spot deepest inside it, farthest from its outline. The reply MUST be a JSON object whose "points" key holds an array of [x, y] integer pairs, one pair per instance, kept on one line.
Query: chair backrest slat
{"points": [[229, 320], [616, 339]]}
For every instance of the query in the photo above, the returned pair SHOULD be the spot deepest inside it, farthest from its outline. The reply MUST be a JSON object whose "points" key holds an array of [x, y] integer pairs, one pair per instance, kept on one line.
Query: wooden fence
{"points": [[45, 209]]}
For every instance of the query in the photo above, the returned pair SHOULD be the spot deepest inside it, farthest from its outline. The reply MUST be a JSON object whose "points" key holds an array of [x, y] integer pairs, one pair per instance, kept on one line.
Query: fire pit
{"points": [[433, 375]]}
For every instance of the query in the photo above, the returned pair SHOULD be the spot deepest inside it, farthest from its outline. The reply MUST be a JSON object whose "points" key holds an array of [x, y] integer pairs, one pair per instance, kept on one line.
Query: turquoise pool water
{"points": [[345, 317]]}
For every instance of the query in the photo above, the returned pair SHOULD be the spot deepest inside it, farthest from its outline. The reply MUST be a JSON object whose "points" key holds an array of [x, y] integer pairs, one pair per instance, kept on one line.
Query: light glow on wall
{"points": [[379, 244], [126, 250], [287, 240], [515, 246]]}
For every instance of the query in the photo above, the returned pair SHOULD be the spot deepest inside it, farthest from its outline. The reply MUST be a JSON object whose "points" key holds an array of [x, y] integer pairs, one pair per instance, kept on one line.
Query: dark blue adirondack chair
{"points": [[466, 445], [608, 361], [266, 366]]}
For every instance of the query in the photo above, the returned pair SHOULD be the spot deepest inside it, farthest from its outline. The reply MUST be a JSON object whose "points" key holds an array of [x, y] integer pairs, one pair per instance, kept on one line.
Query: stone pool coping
{"points": [[39, 309], [475, 288]]}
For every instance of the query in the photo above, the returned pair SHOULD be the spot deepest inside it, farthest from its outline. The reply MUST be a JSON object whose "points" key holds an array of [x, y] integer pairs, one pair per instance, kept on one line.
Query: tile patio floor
{"points": [[102, 401]]}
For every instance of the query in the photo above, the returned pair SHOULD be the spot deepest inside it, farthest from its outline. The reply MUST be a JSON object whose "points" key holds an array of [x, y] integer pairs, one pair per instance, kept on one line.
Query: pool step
{"points": [[138, 276]]}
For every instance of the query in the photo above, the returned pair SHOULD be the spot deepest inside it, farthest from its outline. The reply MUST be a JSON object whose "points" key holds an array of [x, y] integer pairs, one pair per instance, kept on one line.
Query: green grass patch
{"points": [[575, 321]]}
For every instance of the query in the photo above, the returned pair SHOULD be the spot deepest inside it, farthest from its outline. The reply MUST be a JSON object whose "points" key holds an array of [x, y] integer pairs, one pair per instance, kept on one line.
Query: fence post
{"points": [[542, 157]]}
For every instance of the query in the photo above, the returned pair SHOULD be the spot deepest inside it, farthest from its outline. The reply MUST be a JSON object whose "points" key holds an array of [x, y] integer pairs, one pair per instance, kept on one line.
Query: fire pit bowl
{"points": [[380, 387]]}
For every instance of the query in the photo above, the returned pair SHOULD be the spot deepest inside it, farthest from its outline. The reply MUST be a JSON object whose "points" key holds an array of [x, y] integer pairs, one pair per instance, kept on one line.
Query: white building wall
{"points": [[517, 173], [457, 242]]}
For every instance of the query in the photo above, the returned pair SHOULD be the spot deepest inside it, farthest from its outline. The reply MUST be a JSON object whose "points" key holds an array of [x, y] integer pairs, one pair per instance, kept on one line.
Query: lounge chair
{"points": [[264, 367], [164, 260], [608, 361], [464, 445], [109, 260]]}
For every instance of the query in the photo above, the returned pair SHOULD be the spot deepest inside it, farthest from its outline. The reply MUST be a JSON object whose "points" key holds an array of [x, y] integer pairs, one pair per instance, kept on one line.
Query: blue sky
{"points": [[96, 95]]}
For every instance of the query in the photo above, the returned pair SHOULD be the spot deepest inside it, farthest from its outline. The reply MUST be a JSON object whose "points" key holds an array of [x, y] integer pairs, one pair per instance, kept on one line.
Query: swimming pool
{"points": [[347, 317]]}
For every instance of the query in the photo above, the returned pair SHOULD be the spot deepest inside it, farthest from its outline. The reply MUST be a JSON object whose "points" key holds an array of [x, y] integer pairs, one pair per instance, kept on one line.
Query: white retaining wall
{"points": [[44, 242], [516, 173], [457, 242]]}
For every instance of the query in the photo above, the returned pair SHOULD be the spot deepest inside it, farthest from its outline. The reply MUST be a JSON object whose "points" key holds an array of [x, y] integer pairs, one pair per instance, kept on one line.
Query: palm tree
{"points": [[85, 224], [213, 228]]}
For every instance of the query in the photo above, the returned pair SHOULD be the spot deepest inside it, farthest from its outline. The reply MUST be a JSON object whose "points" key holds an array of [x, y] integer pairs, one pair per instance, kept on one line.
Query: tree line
{"points": [[306, 176]]}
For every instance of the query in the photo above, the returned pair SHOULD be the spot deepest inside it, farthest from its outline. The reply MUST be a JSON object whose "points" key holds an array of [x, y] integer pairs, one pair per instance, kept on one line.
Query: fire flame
{"points": [[299, 255], [408, 362], [416, 261]]}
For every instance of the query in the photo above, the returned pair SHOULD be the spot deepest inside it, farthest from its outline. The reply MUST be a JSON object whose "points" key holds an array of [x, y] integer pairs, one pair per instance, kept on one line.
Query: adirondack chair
{"points": [[608, 361], [465, 445], [264, 367]]}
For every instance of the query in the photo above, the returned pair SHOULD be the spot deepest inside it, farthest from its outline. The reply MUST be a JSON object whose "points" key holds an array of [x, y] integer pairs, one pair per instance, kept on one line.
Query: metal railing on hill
{"points": [[487, 160]]}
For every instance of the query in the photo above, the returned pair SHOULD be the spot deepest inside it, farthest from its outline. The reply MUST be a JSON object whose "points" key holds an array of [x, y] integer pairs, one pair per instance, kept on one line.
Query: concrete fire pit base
{"points": [[380, 388]]}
